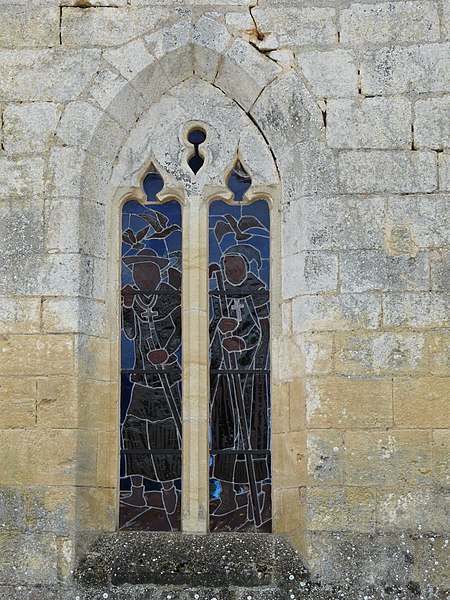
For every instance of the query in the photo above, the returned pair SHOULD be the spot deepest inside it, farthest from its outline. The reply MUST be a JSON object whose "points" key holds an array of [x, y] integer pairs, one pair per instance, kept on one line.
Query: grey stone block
{"points": [[29, 127], [444, 171], [425, 309], [394, 171], [394, 70], [389, 23], [432, 123], [331, 73], [440, 269], [369, 123], [309, 273], [21, 177], [41, 24], [368, 270]]}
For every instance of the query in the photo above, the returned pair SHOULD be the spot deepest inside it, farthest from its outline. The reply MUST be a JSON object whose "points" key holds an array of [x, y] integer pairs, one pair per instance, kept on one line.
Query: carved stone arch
{"points": [[280, 128]]}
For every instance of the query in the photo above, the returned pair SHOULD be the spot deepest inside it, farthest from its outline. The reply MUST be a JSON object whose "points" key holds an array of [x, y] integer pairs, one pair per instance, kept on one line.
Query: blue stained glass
{"points": [[239, 427], [151, 429]]}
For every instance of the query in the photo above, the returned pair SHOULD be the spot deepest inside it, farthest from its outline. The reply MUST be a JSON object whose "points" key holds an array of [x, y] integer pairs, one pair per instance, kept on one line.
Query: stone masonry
{"points": [[340, 108]]}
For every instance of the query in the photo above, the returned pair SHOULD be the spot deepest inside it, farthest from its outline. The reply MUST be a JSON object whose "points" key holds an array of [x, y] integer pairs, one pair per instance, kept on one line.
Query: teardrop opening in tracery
{"points": [[196, 161]]}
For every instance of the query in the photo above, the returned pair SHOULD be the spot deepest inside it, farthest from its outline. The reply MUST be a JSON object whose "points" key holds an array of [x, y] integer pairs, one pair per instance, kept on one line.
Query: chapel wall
{"points": [[363, 360]]}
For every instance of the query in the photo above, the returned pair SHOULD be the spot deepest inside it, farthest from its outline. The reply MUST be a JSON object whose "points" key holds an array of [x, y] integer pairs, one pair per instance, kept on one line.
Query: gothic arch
{"points": [[277, 115]]}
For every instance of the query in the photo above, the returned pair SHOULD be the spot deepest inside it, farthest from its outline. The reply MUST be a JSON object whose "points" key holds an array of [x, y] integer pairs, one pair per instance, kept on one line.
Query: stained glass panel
{"points": [[151, 429], [239, 433]]}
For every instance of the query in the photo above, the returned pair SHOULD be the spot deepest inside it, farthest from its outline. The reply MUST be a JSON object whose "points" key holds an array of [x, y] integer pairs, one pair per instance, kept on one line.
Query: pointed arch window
{"points": [[154, 453]]}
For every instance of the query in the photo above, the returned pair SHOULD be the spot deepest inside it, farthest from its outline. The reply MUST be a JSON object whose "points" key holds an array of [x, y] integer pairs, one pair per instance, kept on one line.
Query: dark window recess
{"points": [[196, 137]]}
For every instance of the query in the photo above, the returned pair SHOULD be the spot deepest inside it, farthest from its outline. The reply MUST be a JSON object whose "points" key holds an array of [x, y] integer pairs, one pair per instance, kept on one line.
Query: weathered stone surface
{"points": [[440, 269], [369, 123], [439, 348], [334, 509], [244, 73], [441, 456], [315, 223], [30, 558], [427, 216], [21, 177], [367, 270], [444, 171], [106, 26], [422, 402], [18, 403], [380, 353], [389, 23], [387, 171], [41, 25], [332, 73], [299, 26], [57, 402], [396, 457], [431, 123], [78, 124], [52, 75], [36, 355], [326, 457], [29, 127], [346, 403], [422, 309], [317, 349], [415, 510], [336, 312], [73, 315], [393, 70], [210, 39], [20, 315], [310, 273]]}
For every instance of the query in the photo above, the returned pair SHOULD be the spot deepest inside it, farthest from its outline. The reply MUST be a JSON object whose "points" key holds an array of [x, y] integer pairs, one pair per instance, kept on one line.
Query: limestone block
{"points": [[326, 457], [260, 164], [394, 70], [210, 39], [66, 168], [28, 558], [380, 353], [98, 404], [244, 73], [70, 229], [118, 98], [29, 127], [240, 24], [389, 23], [337, 509], [299, 26], [297, 405], [48, 75], [427, 216], [316, 223], [446, 19], [444, 171], [422, 309], [422, 403], [212, 3], [348, 403], [318, 174], [96, 508], [78, 124], [289, 468], [12, 509], [369, 123], [316, 352], [94, 358], [17, 403], [20, 315], [415, 509], [28, 456], [432, 123], [394, 171], [440, 269], [41, 25], [178, 65], [57, 402], [432, 562], [332, 73], [441, 456], [366, 270], [36, 355], [289, 516], [396, 457], [21, 231], [309, 273], [173, 37], [21, 177], [101, 269], [107, 460], [73, 315], [109, 26], [299, 115], [336, 312], [130, 59], [439, 348]]}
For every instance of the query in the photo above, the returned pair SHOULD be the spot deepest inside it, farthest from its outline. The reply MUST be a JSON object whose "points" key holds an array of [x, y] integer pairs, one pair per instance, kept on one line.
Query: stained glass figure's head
{"points": [[146, 268], [235, 268]]}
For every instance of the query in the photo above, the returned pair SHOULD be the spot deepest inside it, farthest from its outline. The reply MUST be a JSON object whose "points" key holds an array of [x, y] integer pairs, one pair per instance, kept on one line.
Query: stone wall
{"points": [[351, 99]]}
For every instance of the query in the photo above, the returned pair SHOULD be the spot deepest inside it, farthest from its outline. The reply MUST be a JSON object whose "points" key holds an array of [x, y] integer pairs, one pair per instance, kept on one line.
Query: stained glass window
{"points": [[239, 431], [151, 428]]}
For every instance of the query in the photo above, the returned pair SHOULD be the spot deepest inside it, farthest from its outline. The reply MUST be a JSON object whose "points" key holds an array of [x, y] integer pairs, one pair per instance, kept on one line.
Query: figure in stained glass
{"points": [[151, 427], [239, 367]]}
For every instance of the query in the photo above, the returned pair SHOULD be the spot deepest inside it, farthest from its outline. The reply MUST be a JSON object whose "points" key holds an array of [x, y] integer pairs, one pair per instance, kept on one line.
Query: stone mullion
{"points": [[195, 366]]}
